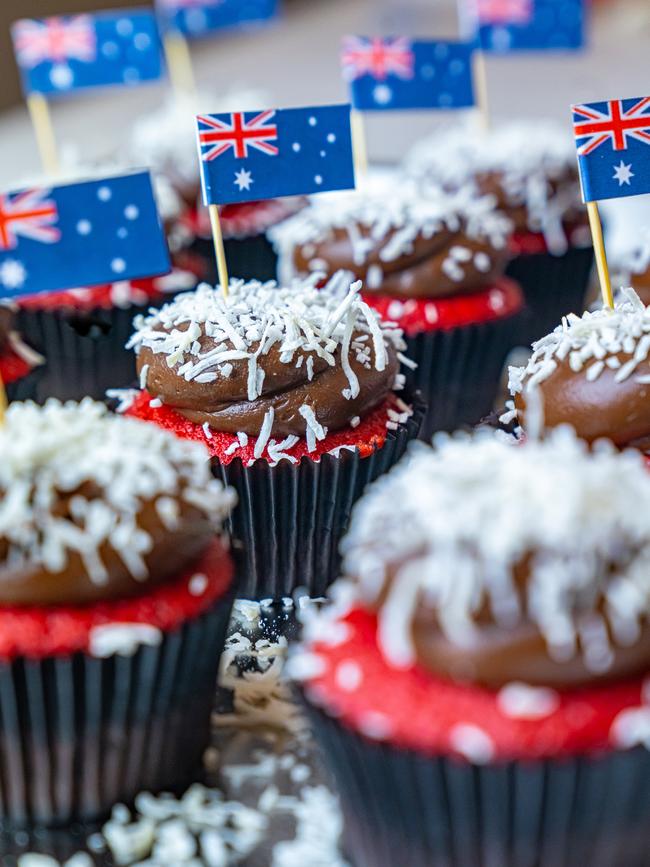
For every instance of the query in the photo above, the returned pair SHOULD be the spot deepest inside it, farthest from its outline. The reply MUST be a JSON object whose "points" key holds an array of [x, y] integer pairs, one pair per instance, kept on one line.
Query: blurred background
{"points": [[296, 61]]}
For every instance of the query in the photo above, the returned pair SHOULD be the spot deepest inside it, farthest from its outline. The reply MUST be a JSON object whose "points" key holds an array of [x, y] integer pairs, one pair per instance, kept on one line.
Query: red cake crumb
{"points": [[369, 435], [59, 631], [13, 366], [413, 709], [140, 291], [414, 316]]}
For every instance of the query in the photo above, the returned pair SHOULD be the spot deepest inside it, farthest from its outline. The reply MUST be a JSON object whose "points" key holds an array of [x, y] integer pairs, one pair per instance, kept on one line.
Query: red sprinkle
{"points": [[503, 298], [413, 709], [369, 435], [62, 630], [13, 366]]}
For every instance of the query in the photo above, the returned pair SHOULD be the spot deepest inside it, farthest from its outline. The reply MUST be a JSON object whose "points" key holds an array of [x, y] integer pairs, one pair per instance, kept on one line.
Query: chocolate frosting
{"points": [[96, 507], [223, 404], [267, 358], [596, 409], [5, 325]]}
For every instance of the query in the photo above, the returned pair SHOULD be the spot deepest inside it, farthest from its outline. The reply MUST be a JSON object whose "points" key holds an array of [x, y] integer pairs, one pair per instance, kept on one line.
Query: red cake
{"points": [[494, 626], [292, 390]]}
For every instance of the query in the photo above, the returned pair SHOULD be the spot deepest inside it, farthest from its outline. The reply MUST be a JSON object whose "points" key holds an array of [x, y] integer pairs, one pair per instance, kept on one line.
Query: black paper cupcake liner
{"points": [[25, 388], [458, 371], [79, 734], [250, 258], [403, 808], [290, 518], [85, 352], [553, 286]]}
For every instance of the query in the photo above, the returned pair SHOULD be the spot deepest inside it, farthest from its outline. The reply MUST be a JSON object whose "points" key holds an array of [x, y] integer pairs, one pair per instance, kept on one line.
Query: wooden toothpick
{"points": [[359, 147], [39, 112], [600, 254], [179, 64], [481, 90], [220, 253]]}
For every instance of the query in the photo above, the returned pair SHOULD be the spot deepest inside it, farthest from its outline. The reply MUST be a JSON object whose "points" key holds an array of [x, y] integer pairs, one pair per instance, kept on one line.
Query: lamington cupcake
{"points": [[83, 332], [529, 166], [593, 373], [165, 140], [20, 366], [115, 593], [432, 264], [293, 391], [480, 686]]}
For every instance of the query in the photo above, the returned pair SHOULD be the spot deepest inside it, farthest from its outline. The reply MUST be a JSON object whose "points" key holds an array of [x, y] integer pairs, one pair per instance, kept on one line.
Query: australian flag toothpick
{"points": [[613, 141], [397, 73], [252, 155], [194, 18], [80, 234], [58, 55], [505, 26]]}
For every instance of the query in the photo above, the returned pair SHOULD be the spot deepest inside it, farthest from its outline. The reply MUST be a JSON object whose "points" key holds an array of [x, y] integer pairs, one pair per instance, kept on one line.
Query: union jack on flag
{"points": [[55, 39], [506, 26], [217, 136], [30, 214], [378, 58], [80, 234], [613, 144], [399, 73], [253, 155], [61, 54]]}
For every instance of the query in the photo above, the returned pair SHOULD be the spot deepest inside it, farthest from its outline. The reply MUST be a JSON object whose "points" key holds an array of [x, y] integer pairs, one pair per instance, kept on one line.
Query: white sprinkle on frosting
{"points": [[591, 343], [109, 467], [447, 529]]}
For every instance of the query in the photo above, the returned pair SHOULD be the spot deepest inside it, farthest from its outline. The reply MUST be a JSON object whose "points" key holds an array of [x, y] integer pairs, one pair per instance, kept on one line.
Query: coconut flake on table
{"points": [[470, 510], [592, 342], [527, 154], [62, 447], [299, 321], [394, 212]]}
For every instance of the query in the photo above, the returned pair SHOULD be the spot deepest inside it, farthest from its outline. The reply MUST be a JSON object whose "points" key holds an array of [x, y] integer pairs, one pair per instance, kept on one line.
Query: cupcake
{"points": [[480, 686], [293, 391], [20, 367], [593, 373], [115, 596], [530, 169], [434, 265], [631, 263], [165, 140], [82, 332]]}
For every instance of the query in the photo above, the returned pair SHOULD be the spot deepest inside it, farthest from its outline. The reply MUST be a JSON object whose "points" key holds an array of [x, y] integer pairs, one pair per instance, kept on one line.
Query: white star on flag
{"points": [[383, 94], [623, 173], [12, 274], [243, 179]]}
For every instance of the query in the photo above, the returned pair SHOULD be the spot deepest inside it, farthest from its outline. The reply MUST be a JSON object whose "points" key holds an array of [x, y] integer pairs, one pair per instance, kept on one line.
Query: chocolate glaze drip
{"points": [[443, 264], [224, 404], [601, 408]]}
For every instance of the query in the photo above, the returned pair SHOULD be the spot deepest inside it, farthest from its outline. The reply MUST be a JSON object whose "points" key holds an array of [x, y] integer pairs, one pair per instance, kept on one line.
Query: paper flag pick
{"points": [[195, 18], [505, 26]]}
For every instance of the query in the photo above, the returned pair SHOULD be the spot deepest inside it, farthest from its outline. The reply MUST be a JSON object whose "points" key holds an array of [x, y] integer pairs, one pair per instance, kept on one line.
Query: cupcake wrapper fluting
{"points": [[403, 808], [290, 518], [248, 258], [458, 371], [84, 352], [79, 734], [553, 286], [27, 387]]}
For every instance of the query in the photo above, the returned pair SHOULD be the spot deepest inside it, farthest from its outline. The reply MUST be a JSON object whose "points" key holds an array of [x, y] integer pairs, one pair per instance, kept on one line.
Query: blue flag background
{"points": [[440, 74], [60, 55], [195, 18], [80, 234], [553, 25], [253, 155]]}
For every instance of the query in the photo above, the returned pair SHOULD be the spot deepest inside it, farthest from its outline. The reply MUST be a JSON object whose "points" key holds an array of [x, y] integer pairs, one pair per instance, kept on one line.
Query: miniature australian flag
{"points": [[195, 18], [62, 54], [397, 73], [504, 26], [80, 234], [252, 155], [613, 142]]}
